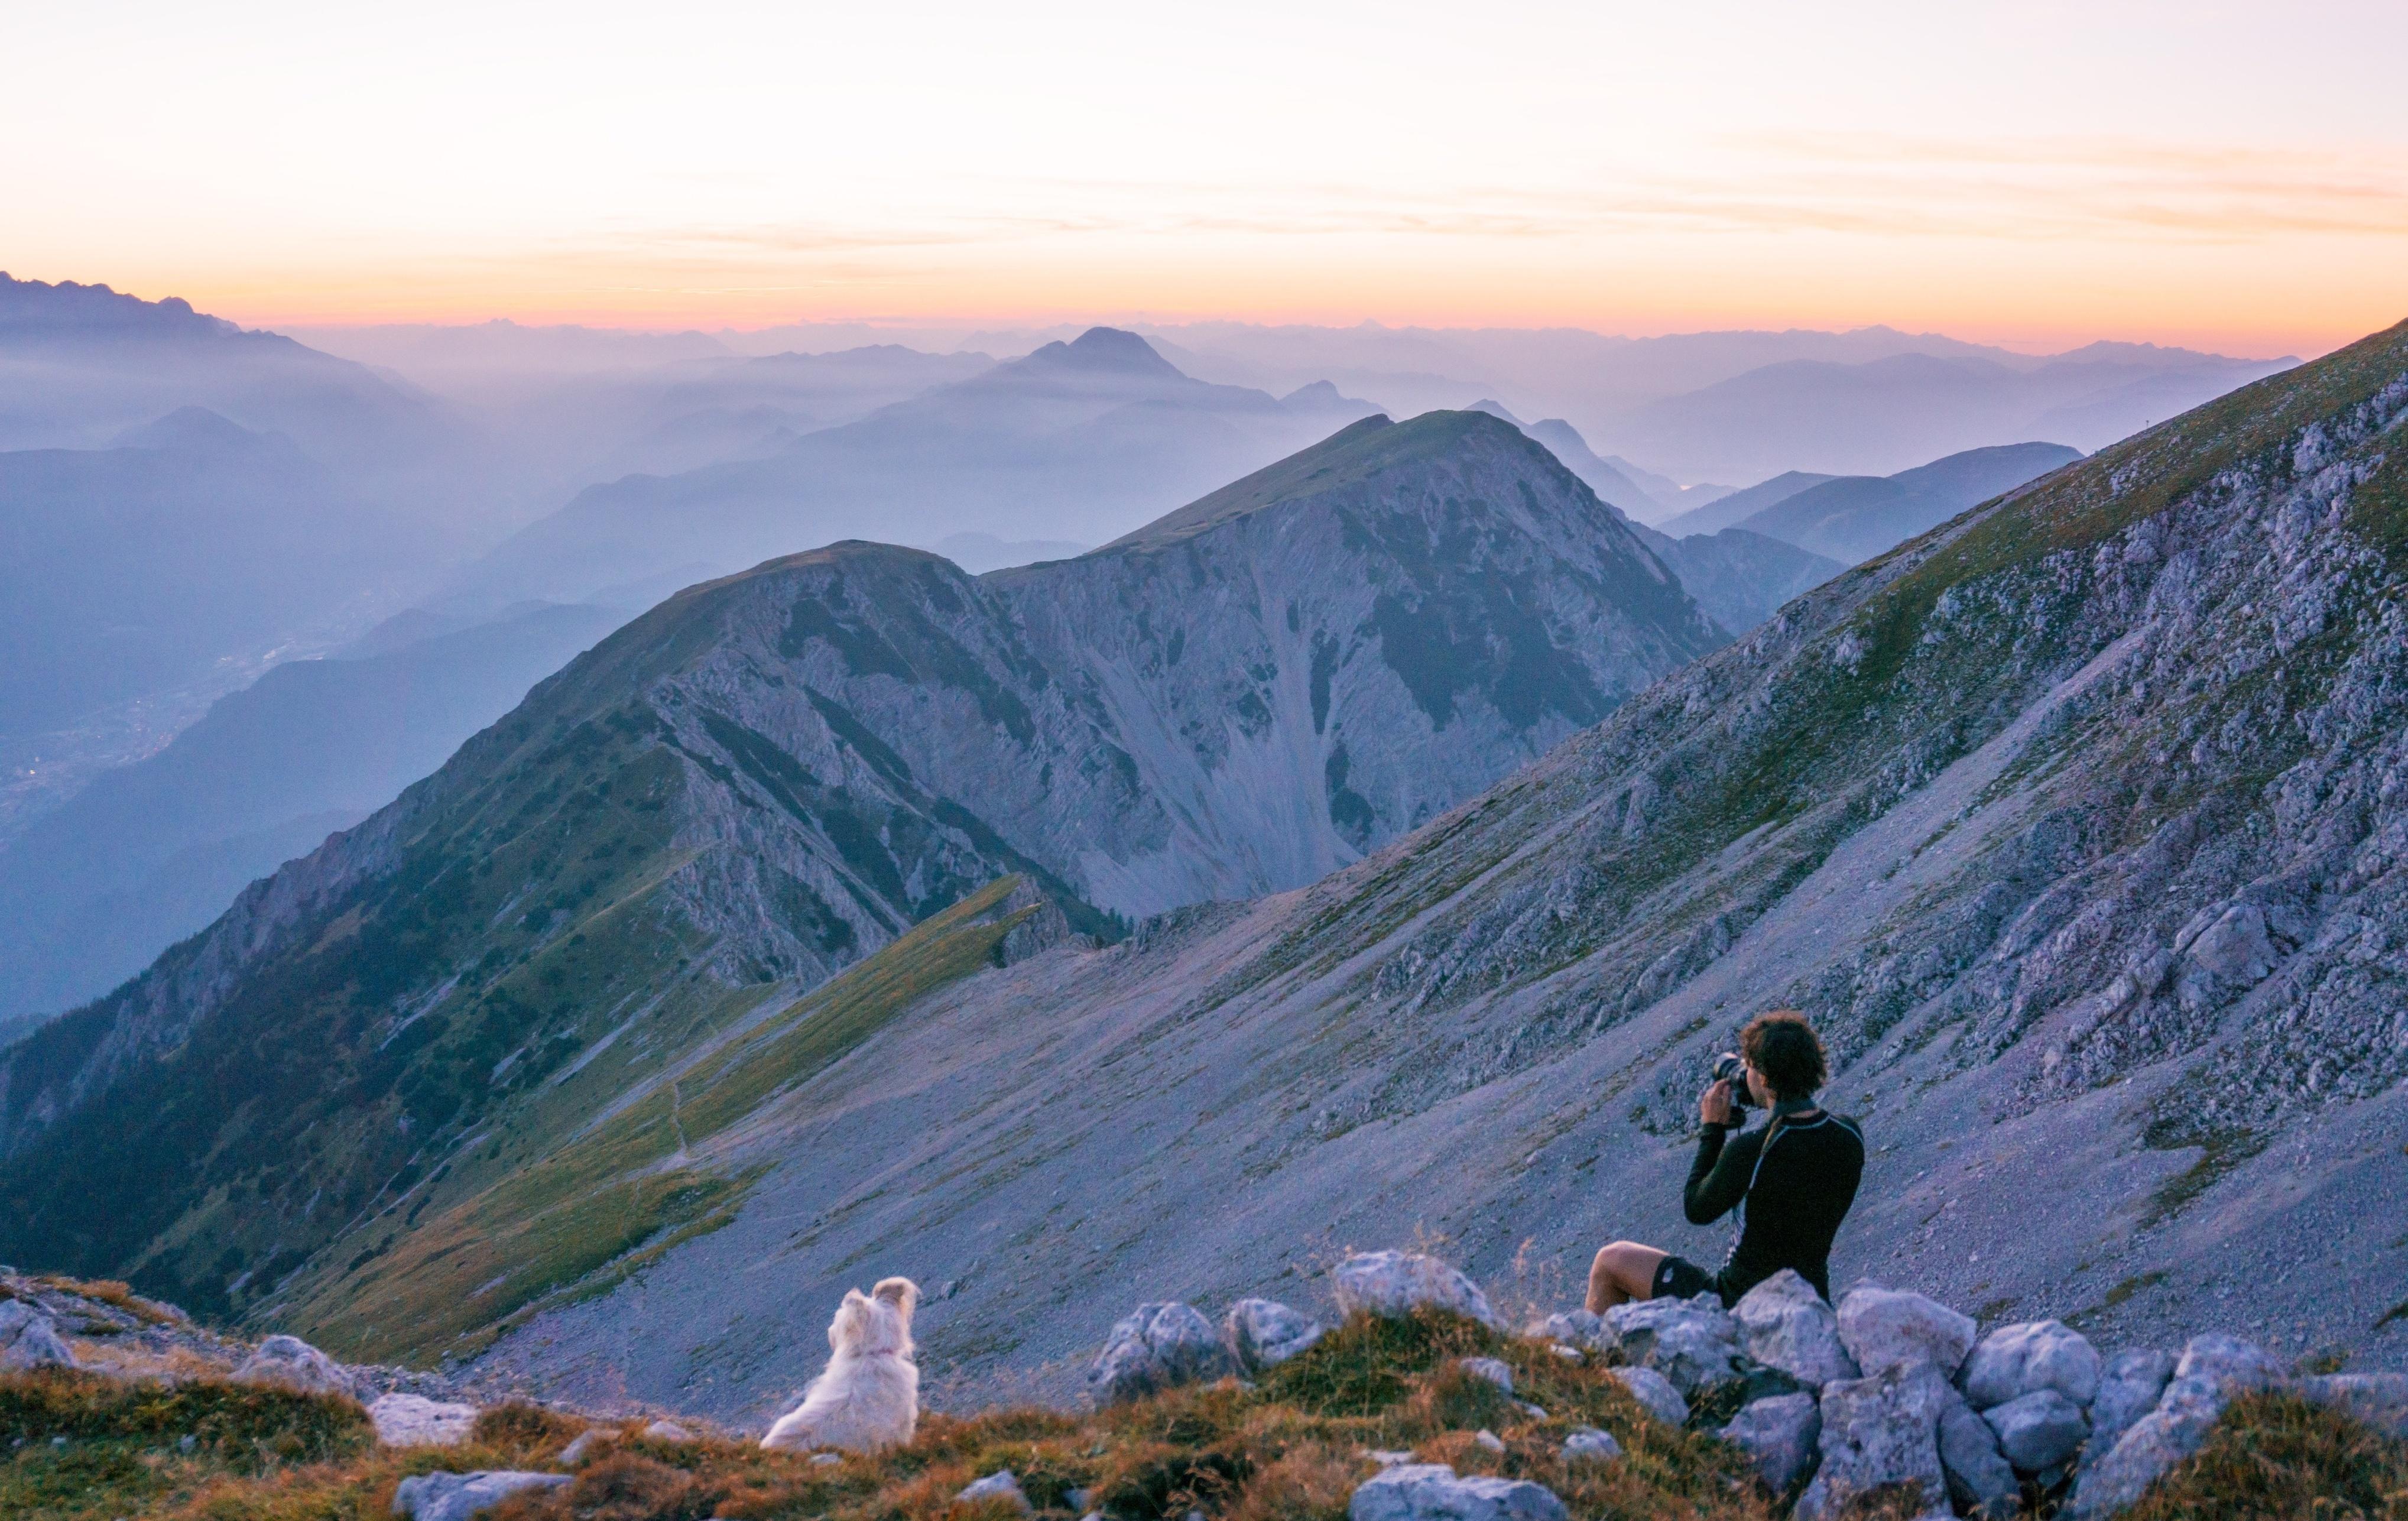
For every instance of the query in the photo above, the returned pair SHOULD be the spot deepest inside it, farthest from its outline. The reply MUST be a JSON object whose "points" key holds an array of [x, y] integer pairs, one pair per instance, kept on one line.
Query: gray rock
{"points": [[293, 1365], [409, 1420], [1577, 1328], [1654, 1393], [2014, 1360], [584, 1446], [1879, 1430], [1264, 1333], [1693, 1343], [1396, 1283], [1158, 1347], [2213, 1371], [30, 1338], [1980, 1479], [667, 1431], [1432, 1492], [2379, 1400], [1783, 1324], [1489, 1439], [1490, 1368], [1000, 1485], [1590, 1445], [456, 1497], [1779, 1434], [2039, 1431], [1884, 1328], [2128, 1388]]}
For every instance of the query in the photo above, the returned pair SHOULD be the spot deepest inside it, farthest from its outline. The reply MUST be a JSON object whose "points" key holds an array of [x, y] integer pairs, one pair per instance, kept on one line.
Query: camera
{"points": [[1731, 1069]]}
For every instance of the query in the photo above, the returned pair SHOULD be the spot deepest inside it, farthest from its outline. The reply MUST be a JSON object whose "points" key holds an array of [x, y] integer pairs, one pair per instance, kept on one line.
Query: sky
{"points": [[2037, 175]]}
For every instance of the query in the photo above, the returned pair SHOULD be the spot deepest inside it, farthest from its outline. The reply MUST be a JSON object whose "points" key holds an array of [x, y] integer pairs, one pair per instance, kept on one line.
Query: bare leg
{"points": [[1624, 1272]]}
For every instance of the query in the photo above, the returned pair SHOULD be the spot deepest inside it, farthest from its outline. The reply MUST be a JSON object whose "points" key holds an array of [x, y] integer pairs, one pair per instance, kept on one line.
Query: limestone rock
{"points": [[409, 1420], [1980, 1479], [1654, 1393], [1490, 1368], [1264, 1333], [1879, 1430], [1779, 1434], [667, 1431], [1578, 1330], [2379, 1400], [2038, 1430], [2128, 1388], [30, 1338], [2015, 1360], [585, 1445], [1884, 1328], [1693, 1343], [2213, 1369], [293, 1365], [1398, 1283], [1000, 1485], [1783, 1324], [1160, 1346], [456, 1497], [1590, 1445], [1431, 1492], [1489, 1439]]}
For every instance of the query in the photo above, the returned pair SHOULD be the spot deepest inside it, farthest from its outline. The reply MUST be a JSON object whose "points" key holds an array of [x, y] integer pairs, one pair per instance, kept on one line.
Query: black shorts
{"points": [[1682, 1279]]}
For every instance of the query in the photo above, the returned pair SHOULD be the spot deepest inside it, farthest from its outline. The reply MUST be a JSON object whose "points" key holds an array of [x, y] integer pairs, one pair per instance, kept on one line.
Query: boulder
{"points": [[2379, 1400], [586, 1445], [1880, 1430], [1783, 1324], [1577, 1329], [30, 1338], [293, 1365], [1264, 1333], [2213, 1369], [1590, 1445], [1779, 1434], [2015, 1360], [1490, 1368], [1884, 1328], [1980, 1479], [2129, 1388], [1395, 1283], [456, 1497], [1693, 1343], [409, 1420], [1000, 1485], [1654, 1393], [665, 1431], [1431, 1492], [1159, 1347], [2039, 1431]]}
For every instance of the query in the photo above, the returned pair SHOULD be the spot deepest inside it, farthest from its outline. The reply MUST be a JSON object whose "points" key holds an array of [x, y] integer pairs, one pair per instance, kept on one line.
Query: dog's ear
{"points": [[854, 1320], [903, 1294]]}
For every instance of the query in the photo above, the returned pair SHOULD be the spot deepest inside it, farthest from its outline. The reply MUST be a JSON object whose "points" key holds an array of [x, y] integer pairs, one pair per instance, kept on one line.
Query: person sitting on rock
{"points": [[1792, 1179]]}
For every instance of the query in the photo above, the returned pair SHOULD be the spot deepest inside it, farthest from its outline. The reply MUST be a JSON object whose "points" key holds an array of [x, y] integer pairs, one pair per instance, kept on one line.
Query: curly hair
{"points": [[1785, 1049]]}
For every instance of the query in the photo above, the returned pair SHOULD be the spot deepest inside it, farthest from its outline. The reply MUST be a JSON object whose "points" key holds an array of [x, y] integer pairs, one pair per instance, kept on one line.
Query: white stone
{"points": [[1431, 1492], [1569, 1354], [1654, 1393], [409, 1420], [586, 1443], [2379, 1400], [1490, 1439], [2015, 1360], [1590, 1445], [1000, 1485], [1388, 1458], [827, 1460], [293, 1365], [1693, 1343], [1879, 1430], [1577, 1329], [1264, 1333], [30, 1338], [1779, 1434], [667, 1431], [2038, 1430], [2129, 1388], [1783, 1324], [1160, 1346], [1490, 1368], [2214, 1369], [1884, 1328], [456, 1497], [1394, 1283], [1980, 1479]]}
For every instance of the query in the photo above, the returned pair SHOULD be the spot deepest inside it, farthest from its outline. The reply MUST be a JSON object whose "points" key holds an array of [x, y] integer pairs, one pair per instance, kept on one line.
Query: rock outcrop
{"points": [[1432, 1492], [1781, 1434], [1157, 1347], [1264, 1333], [1783, 1324], [293, 1365], [1399, 1282], [29, 1339], [458, 1496]]}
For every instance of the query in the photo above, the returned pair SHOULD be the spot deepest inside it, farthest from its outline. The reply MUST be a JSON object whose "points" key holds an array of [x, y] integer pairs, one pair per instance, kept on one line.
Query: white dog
{"points": [[870, 1396]]}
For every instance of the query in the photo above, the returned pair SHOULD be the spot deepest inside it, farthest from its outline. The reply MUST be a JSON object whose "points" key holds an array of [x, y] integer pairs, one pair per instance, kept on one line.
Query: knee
{"points": [[1610, 1260]]}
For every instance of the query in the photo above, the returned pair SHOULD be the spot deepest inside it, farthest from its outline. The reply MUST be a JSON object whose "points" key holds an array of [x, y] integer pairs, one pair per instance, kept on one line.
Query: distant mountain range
{"points": [[1854, 518]]}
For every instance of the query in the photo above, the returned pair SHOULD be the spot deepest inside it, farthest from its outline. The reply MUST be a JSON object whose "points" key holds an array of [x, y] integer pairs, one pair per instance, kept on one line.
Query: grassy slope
{"points": [[1292, 1449]]}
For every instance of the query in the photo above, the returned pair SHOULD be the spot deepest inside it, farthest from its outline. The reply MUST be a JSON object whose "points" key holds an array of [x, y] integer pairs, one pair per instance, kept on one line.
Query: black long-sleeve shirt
{"points": [[1792, 1191]]}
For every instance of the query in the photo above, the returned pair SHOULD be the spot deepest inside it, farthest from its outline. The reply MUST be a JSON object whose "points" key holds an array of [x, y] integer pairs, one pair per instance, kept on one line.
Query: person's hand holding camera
{"points": [[1714, 1105]]}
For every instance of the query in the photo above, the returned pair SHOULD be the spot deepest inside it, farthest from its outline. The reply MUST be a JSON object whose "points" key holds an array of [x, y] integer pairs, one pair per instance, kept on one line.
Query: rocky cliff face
{"points": [[769, 777], [2075, 827]]}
